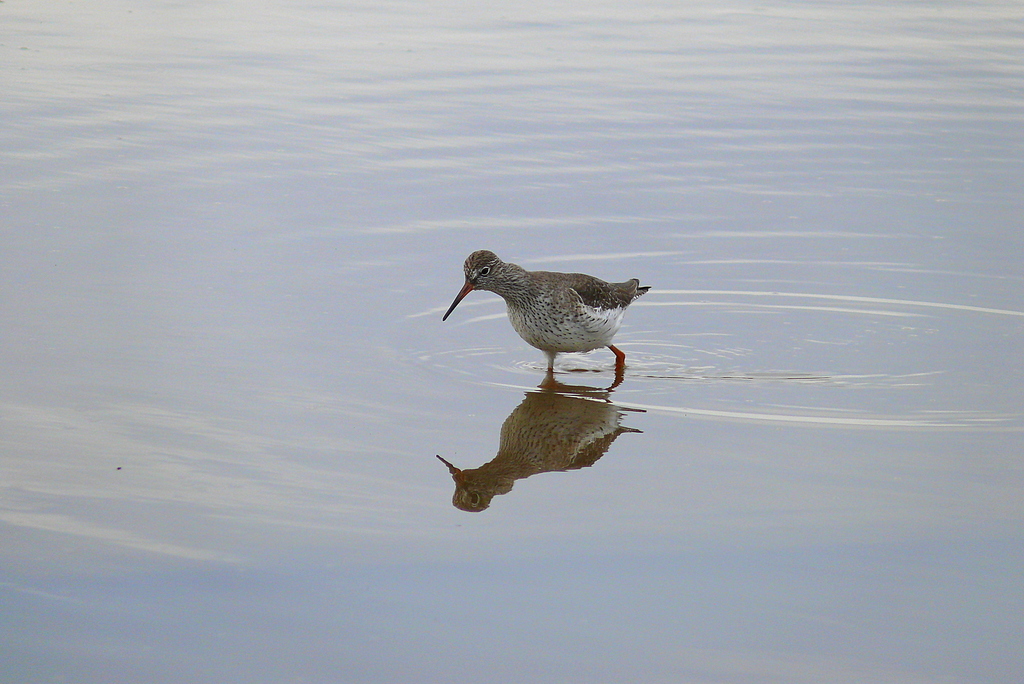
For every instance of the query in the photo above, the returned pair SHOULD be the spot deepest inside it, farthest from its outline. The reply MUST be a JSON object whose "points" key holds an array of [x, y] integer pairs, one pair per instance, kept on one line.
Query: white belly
{"points": [[580, 330]]}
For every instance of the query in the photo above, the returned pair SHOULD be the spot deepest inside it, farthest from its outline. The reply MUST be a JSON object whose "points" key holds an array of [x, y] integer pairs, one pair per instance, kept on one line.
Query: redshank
{"points": [[554, 312]]}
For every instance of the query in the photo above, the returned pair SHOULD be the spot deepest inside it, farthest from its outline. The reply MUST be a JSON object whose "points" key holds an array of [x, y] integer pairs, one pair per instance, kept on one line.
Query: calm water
{"points": [[230, 231]]}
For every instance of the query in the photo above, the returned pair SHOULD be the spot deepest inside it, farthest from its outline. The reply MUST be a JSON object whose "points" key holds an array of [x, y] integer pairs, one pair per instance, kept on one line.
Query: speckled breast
{"points": [[574, 330]]}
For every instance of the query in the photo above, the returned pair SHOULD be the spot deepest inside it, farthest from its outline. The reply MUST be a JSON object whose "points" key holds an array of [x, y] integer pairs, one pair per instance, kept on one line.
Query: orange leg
{"points": [[620, 366], [620, 356]]}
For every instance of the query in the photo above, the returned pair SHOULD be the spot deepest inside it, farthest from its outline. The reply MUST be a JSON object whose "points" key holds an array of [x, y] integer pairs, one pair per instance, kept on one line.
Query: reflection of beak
{"points": [[466, 289], [456, 473]]}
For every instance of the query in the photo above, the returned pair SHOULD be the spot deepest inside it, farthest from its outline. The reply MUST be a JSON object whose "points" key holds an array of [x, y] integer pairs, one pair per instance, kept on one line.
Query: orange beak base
{"points": [[466, 289]]}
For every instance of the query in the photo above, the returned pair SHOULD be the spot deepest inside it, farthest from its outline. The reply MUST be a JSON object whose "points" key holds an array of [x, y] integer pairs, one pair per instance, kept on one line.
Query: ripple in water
{"points": [[861, 379]]}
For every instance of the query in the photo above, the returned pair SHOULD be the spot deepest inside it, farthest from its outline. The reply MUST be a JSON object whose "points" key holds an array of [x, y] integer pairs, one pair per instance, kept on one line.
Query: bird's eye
{"points": [[485, 270]]}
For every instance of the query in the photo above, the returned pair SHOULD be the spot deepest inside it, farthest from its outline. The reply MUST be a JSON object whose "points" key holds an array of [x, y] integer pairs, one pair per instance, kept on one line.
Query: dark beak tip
{"points": [[466, 289]]}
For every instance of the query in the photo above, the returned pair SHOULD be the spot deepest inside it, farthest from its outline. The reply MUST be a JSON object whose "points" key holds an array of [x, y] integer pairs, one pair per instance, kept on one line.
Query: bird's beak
{"points": [[456, 472], [466, 289]]}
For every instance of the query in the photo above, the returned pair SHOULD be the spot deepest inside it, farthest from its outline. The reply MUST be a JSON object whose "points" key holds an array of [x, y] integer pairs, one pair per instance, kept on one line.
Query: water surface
{"points": [[231, 232]]}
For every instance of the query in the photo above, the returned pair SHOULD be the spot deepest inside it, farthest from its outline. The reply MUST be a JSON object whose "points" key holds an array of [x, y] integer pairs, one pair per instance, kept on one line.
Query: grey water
{"points": [[229, 232]]}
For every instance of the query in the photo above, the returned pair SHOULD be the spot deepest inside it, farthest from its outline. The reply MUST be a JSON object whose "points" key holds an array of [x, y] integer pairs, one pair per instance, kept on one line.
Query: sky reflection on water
{"points": [[232, 231]]}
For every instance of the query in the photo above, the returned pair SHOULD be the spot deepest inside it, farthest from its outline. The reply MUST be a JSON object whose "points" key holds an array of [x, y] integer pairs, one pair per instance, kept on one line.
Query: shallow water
{"points": [[231, 232]]}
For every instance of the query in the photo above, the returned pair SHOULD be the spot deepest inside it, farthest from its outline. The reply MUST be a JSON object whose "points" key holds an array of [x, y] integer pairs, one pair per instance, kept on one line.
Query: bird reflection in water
{"points": [[556, 428]]}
